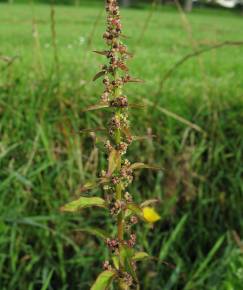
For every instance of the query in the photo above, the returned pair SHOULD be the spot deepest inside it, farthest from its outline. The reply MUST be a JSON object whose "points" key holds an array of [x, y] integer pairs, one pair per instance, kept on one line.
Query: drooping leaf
{"points": [[104, 280], [83, 202], [138, 256], [140, 165], [113, 162], [96, 107], [98, 75]]}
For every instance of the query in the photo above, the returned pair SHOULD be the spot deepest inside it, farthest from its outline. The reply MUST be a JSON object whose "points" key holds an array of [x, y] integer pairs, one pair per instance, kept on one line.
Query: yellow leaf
{"points": [[150, 215]]}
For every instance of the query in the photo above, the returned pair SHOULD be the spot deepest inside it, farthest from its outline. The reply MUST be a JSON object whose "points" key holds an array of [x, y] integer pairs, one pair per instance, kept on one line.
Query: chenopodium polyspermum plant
{"points": [[115, 180]]}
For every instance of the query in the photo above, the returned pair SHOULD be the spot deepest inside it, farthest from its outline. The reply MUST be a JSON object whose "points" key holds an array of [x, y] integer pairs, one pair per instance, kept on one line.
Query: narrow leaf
{"points": [[140, 256], [91, 130], [89, 185], [115, 260], [114, 161], [135, 80], [98, 75], [96, 107], [104, 52], [149, 202], [140, 165], [104, 280], [136, 209], [83, 202], [95, 232]]}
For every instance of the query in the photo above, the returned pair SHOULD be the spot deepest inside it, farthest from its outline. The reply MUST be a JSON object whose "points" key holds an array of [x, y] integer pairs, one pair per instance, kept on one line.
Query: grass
{"points": [[44, 158]]}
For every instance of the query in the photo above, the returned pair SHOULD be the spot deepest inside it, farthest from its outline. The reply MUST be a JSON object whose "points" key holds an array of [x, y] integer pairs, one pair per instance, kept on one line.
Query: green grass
{"points": [[44, 158]]}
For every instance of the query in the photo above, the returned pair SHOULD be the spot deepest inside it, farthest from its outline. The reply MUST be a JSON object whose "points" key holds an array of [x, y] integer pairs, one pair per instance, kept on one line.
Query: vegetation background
{"points": [[194, 112]]}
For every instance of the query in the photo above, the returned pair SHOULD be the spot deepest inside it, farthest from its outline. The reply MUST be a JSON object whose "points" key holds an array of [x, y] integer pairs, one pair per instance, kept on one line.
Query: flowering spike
{"points": [[118, 175]]}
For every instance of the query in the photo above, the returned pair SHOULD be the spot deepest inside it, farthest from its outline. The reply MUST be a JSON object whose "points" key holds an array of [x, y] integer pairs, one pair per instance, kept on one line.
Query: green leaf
{"points": [[140, 256], [135, 209], [96, 107], [140, 165], [93, 184], [83, 202], [89, 185], [115, 260], [95, 231], [126, 255], [104, 280], [114, 161]]}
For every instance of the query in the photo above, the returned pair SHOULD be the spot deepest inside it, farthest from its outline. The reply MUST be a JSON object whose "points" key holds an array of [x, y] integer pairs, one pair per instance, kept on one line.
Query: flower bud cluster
{"points": [[126, 278], [112, 244], [116, 206], [107, 266], [126, 173], [132, 241]]}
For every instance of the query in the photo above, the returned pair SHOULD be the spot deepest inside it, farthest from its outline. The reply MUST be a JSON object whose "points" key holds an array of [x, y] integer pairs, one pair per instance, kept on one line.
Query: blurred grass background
{"points": [[44, 159]]}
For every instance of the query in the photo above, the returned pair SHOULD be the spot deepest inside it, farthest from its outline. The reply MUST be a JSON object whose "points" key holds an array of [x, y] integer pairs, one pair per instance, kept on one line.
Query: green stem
{"points": [[120, 227]]}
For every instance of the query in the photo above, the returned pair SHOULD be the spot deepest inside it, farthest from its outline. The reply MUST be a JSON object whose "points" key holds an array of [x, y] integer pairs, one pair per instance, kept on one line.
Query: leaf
{"points": [[115, 260], [103, 52], [136, 209], [126, 255], [94, 231], [136, 106], [149, 202], [98, 75], [104, 280], [135, 80], [141, 138], [113, 161], [140, 256], [88, 185], [140, 165], [96, 107], [93, 184], [83, 202], [91, 130]]}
